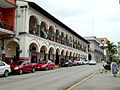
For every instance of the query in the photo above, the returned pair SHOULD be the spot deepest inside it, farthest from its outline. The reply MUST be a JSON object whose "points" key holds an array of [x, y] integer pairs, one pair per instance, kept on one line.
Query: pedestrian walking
{"points": [[104, 64], [114, 68]]}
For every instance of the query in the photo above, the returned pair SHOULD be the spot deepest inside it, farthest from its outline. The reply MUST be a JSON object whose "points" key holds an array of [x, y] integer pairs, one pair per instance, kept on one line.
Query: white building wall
{"points": [[22, 25]]}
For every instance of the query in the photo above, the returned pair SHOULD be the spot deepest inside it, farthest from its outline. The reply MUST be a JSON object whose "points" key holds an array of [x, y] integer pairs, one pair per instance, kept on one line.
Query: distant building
{"points": [[95, 49], [104, 42]]}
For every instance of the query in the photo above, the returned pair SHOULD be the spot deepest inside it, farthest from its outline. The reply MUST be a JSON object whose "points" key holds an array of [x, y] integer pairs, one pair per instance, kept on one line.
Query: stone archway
{"points": [[51, 54], [51, 33], [33, 26], [12, 52], [62, 38], [33, 48], [89, 57], [70, 57], [43, 53], [44, 30], [67, 55], [57, 61], [63, 54], [57, 36]]}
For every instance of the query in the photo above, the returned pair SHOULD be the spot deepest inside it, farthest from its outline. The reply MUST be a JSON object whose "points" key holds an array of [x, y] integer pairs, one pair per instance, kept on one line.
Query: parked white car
{"points": [[92, 62], [86, 62], [79, 61], [4, 69]]}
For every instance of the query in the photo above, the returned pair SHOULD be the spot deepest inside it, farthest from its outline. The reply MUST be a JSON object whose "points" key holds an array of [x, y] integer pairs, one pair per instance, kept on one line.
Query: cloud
{"points": [[99, 18]]}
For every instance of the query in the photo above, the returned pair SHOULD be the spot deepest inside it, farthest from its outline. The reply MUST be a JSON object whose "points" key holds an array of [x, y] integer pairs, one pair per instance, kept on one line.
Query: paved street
{"points": [[58, 79], [100, 81]]}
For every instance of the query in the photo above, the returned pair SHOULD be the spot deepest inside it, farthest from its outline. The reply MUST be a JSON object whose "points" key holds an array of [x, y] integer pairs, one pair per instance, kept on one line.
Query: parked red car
{"points": [[45, 65], [74, 63], [21, 66]]}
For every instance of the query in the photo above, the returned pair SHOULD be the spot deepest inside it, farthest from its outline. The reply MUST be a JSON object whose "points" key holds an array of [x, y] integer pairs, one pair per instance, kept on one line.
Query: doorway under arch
{"points": [[89, 57], [57, 57], [12, 52]]}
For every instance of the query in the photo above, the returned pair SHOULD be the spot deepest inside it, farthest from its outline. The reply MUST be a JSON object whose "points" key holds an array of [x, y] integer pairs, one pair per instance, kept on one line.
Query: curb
{"points": [[57, 66]]}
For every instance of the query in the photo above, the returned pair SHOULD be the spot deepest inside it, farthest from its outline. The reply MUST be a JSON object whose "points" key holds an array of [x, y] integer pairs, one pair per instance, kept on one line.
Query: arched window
{"points": [[43, 30], [62, 38], [57, 36], [33, 26], [71, 42], [67, 40], [51, 33]]}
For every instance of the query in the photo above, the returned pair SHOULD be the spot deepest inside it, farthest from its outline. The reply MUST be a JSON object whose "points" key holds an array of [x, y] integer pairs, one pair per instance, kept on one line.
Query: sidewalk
{"points": [[100, 81]]}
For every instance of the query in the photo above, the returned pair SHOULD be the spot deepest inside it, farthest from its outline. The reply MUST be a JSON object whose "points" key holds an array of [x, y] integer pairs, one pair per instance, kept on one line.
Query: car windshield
{"points": [[43, 62], [77, 59], [17, 63]]}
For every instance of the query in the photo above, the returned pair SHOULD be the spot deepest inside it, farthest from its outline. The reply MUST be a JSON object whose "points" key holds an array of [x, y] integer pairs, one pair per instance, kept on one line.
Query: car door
{"points": [[2, 68], [26, 66]]}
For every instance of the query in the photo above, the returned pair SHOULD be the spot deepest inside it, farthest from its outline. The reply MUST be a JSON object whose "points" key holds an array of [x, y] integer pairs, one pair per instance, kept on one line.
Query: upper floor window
{"points": [[33, 26]]}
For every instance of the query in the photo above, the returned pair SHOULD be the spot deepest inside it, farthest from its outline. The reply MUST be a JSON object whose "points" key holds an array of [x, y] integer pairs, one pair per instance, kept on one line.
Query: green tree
{"points": [[111, 50]]}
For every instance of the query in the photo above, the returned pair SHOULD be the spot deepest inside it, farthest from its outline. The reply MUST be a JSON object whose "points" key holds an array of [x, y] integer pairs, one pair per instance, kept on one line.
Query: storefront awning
{"points": [[5, 31]]}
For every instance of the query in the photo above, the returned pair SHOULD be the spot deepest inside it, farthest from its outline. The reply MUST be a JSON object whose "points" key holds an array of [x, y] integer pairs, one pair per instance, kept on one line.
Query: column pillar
{"points": [[54, 58], [46, 56]]}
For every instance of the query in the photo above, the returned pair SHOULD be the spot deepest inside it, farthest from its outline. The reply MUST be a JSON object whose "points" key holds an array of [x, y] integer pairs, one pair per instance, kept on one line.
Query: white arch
{"points": [[58, 51], [36, 17], [71, 53], [45, 23], [63, 51], [12, 40], [36, 42], [51, 46], [68, 53], [43, 44]]}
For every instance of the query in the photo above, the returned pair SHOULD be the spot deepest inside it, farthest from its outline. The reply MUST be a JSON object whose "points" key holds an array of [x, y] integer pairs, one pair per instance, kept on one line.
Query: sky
{"points": [[100, 18]]}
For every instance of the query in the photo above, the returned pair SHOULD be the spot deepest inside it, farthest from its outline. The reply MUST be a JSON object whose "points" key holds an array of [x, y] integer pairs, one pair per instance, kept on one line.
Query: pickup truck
{"points": [[21, 66]]}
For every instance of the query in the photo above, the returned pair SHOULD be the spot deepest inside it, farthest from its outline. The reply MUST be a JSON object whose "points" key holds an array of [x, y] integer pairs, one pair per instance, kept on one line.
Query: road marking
{"points": [[81, 81]]}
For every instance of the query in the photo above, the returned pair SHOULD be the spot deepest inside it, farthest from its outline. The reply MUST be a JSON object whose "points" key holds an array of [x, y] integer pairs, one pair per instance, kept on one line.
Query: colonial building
{"points": [[39, 35], [7, 23], [95, 50]]}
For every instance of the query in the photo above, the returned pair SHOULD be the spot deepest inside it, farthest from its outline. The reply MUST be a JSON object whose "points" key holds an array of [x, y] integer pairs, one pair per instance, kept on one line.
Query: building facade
{"points": [[39, 35], [104, 42], [95, 50], [7, 23]]}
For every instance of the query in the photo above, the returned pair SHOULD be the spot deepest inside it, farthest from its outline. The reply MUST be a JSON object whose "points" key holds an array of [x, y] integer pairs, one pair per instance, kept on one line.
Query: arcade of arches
{"points": [[50, 33], [37, 53]]}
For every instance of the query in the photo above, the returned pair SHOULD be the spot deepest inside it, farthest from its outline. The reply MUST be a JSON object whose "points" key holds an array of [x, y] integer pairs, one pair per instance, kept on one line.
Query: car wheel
{"points": [[6, 73], [21, 72], [52, 68], [46, 68], [33, 70]]}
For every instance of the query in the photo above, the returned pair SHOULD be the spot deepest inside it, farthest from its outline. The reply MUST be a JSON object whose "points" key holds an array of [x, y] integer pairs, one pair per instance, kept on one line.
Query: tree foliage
{"points": [[111, 50]]}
